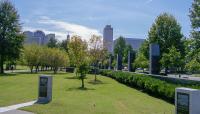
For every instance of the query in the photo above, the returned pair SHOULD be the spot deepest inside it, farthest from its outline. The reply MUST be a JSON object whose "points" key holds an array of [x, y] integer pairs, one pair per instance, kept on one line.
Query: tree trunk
{"points": [[1, 64], [82, 83], [31, 69], [55, 70], [95, 75], [166, 69]]}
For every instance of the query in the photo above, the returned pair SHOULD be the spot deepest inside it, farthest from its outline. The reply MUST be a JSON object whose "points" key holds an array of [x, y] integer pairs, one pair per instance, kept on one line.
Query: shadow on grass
{"points": [[74, 77], [96, 82], [8, 74], [79, 89]]}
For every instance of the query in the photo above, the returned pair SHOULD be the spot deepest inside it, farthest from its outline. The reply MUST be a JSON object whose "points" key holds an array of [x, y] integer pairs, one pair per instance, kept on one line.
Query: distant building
{"points": [[108, 38], [134, 42], [48, 37], [37, 37]]}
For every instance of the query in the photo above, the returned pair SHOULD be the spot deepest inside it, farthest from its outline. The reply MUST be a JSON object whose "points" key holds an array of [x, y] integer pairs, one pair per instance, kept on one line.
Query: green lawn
{"points": [[107, 97]]}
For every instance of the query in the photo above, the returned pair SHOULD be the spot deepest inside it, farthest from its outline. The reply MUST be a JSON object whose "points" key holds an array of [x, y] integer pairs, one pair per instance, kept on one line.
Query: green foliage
{"points": [[97, 52], [36, 56], [153, 86], [78, 54], [144, 49], [195, 14], [172, 59], [77, 51], [193, 57], [11, 39], [193, 66], [127, 49], [53, 43], [122, 48], [166, 31], [64, 45], [141, 61], [150, 85], [119, 46]]}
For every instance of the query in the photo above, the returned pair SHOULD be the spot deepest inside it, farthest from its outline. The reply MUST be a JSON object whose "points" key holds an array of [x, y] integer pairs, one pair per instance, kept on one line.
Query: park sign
{"points": [[45, 89], [187, 101]]}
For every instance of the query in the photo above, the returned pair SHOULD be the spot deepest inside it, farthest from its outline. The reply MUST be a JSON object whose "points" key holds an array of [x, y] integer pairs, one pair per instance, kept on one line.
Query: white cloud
{"points": [[149, 1], [64, 27], [61, 28], [59, 35]]}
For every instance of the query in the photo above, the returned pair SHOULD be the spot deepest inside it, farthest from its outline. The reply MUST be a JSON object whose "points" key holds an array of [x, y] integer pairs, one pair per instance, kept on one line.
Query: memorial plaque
{"points": [[182, 103], [43, 87]]}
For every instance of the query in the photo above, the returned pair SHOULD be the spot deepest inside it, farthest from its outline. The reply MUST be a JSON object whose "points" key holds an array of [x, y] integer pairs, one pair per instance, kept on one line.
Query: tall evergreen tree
{"points": [[11, 39]]}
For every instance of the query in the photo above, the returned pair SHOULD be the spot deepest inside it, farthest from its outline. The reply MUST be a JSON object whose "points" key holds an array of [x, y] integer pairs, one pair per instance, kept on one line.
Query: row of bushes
{"points": [[155, 87]]}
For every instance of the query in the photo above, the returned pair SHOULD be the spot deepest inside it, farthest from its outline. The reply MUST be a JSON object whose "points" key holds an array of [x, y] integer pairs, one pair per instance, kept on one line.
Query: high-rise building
{"points": [[108, 38], [37, 37]]}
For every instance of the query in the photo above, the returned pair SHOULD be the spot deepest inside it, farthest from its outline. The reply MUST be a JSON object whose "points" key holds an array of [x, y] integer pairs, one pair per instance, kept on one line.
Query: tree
{"points": [[96, 52], [127, 49], [119, 46], [193, 65], [195, 21], [141, 61], [78, 53], [172, 59], [166, 32], [11, 39], [58, 58], [144, 49], [52, 43], [31, 56], [39, 56], [64, 45]]}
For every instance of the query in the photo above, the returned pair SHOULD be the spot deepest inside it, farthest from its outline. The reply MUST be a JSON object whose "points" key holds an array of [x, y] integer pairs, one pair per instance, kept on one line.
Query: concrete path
{"points": [[14, 107], [16, 112]]}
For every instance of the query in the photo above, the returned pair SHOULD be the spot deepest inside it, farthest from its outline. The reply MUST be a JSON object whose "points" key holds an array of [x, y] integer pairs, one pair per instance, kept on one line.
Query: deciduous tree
{"points": [[11, 39]]}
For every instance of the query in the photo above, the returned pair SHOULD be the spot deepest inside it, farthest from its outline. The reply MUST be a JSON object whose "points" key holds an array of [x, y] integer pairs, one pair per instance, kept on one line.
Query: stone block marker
{"points": [[187, 101], [45, 89]]}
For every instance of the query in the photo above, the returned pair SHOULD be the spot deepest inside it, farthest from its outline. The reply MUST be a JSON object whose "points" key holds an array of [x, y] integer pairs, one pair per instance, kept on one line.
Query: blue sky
{"points": [[129, 18]]}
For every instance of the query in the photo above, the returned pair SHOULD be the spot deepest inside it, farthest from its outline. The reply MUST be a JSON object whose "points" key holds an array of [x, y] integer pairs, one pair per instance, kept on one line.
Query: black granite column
{"points": [[110, 62], [154, 56], [130, 60], [119, 62]]}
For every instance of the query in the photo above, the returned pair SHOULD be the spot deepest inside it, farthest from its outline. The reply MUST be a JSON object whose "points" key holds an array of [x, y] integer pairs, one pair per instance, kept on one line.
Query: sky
{"points": [[129, 18]]}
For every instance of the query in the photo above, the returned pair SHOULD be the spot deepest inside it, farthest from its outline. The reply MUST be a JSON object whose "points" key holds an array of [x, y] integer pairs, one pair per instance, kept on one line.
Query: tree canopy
{"points": [[11, 39]]}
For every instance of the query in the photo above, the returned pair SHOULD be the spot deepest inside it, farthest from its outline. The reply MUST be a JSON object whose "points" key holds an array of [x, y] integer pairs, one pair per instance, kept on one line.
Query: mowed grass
{"points": [[106, 97]]}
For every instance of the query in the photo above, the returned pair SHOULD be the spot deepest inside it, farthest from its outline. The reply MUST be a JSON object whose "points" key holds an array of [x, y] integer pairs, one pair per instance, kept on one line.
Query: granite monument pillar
{"points": [[154, 55]]}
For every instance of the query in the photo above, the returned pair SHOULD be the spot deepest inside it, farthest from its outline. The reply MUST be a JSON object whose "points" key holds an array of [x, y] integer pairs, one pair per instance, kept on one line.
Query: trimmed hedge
{"points": [[153, 86]]}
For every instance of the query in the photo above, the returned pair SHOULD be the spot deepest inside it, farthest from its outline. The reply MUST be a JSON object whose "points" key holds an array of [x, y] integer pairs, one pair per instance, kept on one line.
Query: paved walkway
{"points": [[14, 107], [16, 112]]}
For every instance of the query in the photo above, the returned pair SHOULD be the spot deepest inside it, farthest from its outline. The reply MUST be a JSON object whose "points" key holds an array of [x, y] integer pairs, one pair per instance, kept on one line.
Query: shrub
{"points": [[153, 86]]}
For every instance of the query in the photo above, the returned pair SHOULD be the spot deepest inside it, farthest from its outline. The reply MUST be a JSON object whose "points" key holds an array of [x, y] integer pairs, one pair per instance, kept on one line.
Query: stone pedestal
{"points": [[45, 89], [154, 56], [187, 101], [119, 62]]}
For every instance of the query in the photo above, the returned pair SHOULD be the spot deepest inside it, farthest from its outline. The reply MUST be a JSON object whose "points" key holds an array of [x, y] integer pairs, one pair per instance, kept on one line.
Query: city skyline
{"points": [[128, 18]]}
